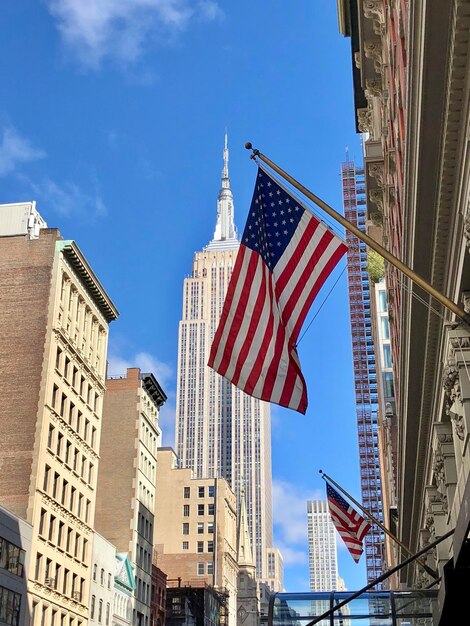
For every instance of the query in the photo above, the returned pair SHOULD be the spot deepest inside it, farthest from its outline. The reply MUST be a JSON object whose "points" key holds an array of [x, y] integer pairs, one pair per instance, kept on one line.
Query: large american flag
{"points": [[285, 256], [351, 526]]}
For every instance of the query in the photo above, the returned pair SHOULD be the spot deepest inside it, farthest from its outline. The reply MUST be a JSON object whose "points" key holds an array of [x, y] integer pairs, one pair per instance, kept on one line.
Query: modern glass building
{"points": [[365, 376]]}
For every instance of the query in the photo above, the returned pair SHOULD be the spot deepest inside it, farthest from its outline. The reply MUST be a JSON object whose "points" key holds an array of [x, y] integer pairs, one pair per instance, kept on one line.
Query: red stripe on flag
{"points": [[254, 321], [228, 298]]}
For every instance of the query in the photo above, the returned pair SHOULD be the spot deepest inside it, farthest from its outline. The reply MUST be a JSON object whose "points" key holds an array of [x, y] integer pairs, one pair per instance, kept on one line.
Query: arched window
{"points": [[92, 607], [100, 611]]}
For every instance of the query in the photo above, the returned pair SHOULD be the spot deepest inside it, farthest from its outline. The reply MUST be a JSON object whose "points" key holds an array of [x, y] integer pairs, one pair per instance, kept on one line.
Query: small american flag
{"points": [[285, 256], [351, 526]]}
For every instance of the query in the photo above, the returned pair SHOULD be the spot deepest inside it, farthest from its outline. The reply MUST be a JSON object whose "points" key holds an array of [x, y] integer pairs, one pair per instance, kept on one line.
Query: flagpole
{"points": [[393, 260], [376, 521], [382, 577]]}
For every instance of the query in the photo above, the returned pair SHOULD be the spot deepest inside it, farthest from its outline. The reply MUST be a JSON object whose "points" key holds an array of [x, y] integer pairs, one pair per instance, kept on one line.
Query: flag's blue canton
{"points": [[332, 493], [273, 218]]}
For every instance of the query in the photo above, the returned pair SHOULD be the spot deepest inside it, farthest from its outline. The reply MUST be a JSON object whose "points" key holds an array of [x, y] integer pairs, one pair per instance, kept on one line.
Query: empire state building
{"points": [[221, 431]]}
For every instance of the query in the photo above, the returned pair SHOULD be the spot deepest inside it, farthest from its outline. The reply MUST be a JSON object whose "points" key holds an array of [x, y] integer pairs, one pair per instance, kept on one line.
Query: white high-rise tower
{"points": [[322, 553], [221, 431]]}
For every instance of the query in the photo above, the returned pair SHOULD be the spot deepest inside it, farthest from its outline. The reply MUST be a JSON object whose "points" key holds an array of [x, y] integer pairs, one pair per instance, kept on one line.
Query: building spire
{"points": [[225, 232], [245, 554]]}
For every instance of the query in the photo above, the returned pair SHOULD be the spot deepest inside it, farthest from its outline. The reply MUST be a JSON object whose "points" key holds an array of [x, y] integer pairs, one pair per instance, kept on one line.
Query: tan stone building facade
{"points": [[195, 533], [54, 319], [127, 477]]}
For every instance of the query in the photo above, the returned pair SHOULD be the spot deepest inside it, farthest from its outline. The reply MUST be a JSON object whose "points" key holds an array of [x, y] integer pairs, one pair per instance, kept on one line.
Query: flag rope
{"points": [[321, 305]]}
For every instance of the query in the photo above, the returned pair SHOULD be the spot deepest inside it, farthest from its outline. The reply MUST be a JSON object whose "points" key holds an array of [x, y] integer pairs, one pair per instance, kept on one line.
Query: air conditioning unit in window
{"points": [[50, 582]]}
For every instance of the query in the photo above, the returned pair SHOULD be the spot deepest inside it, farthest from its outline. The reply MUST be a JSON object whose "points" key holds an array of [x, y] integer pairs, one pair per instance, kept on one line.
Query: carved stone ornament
{"points": [[466, 229], [373, 51], [376, 170], [439, 473], [429, 525], [376, 197], [377, 218], [364, 120], [374, 87], [454, 407], [466, 297], [374, 10]]}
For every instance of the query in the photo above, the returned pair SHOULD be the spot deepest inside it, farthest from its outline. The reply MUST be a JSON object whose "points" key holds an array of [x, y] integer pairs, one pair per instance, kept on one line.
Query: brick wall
{"points": [[25, 280]]}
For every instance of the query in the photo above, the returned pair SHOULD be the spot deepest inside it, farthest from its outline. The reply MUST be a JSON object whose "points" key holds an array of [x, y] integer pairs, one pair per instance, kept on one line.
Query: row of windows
{"points": [[10, 603], [102, 576], [46, 615], [67, 495], [58, 577], [99, 611], [200, 546], [201, 510], [201, 491], [65, 451], [72, 376], [73, 416], [200, 528], [205, 568], [64, 537], [11, 557]]}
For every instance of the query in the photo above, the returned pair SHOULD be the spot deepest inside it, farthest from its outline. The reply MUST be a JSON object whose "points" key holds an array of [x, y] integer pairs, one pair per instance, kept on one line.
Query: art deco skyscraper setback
{"points": [[221, 431]]}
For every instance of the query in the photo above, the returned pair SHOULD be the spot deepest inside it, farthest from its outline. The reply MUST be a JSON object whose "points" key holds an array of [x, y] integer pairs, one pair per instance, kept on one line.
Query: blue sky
{"points": [[112, 119]]}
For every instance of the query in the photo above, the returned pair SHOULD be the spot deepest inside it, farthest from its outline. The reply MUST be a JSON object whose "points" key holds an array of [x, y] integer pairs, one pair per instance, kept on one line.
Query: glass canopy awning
{"points": [[382, 608]]}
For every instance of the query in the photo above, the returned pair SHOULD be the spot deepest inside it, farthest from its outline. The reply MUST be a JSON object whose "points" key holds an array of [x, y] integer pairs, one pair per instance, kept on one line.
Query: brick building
{"points": [[54, 319]]}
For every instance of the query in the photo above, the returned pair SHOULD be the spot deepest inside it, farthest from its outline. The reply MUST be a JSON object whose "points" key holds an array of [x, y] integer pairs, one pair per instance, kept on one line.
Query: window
{"points": [[47, 472], [55, 391], [109, 581], [95, 571], [200, 528], [200, 492], [211, 491], [187, 492], [200, 546], [186, 510], [185, 528], [64, 492], [62, 405], [51, 528], [102, 576], [200, 569], [200, 509], [42, 521], [100, 611], [57, 359], [210, 546], [50, 436], [55, 486], [60, 534], [107, 612], [210, 527], [210, 568], [92, 606], [185, 545], [210, 509], [387, 355], [60, 438]]}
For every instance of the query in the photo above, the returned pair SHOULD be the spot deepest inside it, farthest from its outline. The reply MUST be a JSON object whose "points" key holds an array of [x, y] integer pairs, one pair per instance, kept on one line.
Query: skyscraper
{"points": [[365, 376], [323, 560], [221, 431]]}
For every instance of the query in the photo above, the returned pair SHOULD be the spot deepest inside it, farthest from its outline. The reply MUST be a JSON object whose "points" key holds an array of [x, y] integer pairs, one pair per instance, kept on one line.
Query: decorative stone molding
{"points": [[443, 462], [376, 170], [364, 120], [454, 405], [376, 197], [377, 218], [373, 51], [374, 88], [466, 301], [375, 10]]}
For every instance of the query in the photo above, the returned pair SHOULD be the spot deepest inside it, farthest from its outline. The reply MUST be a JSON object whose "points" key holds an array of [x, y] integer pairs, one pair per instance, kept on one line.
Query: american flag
{"points": [[285, 256], [351, 526]]}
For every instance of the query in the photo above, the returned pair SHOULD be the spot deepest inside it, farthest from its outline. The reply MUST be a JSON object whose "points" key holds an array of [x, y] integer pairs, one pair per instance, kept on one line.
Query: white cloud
{"points": [[15, 150], [120, 29], [290, 511], [67, 199]]}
